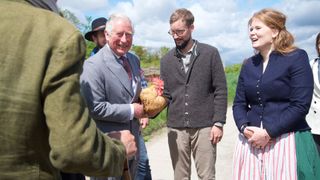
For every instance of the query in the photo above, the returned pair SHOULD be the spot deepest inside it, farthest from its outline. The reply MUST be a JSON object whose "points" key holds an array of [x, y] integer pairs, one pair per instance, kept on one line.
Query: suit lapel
{"points": [[116, 68], [135, 69]]}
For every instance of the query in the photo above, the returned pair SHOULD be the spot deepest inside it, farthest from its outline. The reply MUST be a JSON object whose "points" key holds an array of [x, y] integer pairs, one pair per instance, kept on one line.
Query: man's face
{"points": [[181, 33], [120, 38], [99, 38]]}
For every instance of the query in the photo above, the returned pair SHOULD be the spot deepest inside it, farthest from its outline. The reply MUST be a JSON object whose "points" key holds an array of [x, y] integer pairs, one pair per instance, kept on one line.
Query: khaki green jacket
{"points": [[44, 125]]}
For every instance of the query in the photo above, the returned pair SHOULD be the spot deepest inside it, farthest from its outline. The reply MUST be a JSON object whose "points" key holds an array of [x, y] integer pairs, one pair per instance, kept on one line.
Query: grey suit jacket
{"points": [[108, 91]]}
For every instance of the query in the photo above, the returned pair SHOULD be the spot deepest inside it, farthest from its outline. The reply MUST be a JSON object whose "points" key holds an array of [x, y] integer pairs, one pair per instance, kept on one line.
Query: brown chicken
{"points": [[152, 99]]}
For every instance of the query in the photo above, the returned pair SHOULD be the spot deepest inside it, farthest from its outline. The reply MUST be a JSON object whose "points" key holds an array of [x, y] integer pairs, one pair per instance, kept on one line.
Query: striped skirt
{"points": [[292, 156], [276, 161]]}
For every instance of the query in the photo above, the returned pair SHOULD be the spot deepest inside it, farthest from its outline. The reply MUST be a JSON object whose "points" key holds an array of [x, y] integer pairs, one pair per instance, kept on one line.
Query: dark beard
{"points": [[183, 45]]}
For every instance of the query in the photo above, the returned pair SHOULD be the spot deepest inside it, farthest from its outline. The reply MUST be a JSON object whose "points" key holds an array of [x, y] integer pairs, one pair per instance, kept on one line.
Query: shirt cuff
{"points": [[218, 124], [132, 112], [243, 127]]}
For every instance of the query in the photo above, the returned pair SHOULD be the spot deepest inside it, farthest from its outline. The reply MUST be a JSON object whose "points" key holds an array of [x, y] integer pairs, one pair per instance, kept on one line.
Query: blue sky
{"points": [[221, 23]]}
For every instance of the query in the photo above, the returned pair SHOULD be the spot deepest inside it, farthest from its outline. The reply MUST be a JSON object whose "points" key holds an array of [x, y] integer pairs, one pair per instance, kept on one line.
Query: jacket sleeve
{"points": [[240, 105], [301, 83], [75, 142], [163, 77], [220, 89]]}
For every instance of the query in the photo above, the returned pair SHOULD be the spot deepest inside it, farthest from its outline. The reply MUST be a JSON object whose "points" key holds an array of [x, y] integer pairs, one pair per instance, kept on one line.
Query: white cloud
{"points": [[84, 5], [302, 12], [141, 10], [303, 22], [221, 23], [150, 19], [81, 8], [153, 34], [218, 5]]}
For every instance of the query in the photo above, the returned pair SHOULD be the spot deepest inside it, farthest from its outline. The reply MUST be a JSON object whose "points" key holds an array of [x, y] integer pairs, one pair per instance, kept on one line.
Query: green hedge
{"points": [[232, 74]]}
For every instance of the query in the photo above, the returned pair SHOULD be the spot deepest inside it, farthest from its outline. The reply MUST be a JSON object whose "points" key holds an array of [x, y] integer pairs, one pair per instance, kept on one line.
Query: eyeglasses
{"points": [[177, 32]]}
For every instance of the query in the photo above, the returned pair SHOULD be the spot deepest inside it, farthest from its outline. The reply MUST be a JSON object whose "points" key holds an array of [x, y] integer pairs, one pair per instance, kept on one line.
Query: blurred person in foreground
{"points": [[195, 86], [313, 117], [272, 99], [45, 126], [111, 83]]}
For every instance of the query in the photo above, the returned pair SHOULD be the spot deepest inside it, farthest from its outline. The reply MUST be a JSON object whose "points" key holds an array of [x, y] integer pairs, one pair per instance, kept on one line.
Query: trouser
{"points": [[130, 163], [196, 141], [143, 170]]}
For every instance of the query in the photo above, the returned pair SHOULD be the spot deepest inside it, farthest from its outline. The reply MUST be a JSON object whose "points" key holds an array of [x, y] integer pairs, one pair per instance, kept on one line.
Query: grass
{"points": [[155, 124], [232, 80], [150, 64]]}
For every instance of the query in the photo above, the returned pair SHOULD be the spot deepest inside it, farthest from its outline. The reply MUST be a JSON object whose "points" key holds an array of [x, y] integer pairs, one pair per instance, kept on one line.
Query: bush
{"points": [[90, 46]]}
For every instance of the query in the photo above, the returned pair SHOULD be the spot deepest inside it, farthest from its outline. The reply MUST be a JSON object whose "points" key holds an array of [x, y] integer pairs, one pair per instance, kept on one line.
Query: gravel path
{"points": [[160, 162]]}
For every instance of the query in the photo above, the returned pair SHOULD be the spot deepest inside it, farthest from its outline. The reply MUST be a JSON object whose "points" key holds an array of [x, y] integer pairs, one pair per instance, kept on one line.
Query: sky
{"points": [[220, 23]]}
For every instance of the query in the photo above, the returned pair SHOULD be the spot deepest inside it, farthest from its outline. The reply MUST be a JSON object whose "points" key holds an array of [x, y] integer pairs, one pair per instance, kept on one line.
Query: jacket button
{"points": [[258, 92], [315, 112], [186, 113], [186, 104]]}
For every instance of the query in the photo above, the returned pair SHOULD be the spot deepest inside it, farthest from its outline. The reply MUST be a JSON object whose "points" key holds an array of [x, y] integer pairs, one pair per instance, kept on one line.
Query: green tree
{"points": [[71, 17], [141, 52], [83, 27], [87, 26], [163, 51]]}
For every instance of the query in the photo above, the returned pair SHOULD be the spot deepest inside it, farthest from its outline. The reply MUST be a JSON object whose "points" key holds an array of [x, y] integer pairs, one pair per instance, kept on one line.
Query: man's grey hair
{"points": [[116, 17]]}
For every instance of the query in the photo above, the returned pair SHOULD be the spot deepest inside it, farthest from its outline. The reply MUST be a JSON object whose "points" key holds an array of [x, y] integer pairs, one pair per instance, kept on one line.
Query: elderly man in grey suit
{"points": [[111, 84]]}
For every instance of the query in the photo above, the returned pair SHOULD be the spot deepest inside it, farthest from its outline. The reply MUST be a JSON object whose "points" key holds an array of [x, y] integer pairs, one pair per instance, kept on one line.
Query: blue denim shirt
{"points": [[94, 51]]}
